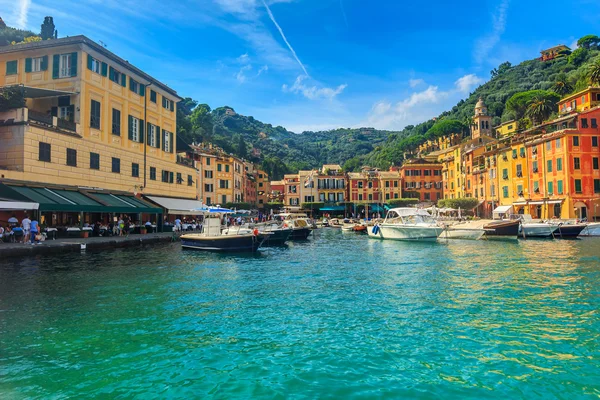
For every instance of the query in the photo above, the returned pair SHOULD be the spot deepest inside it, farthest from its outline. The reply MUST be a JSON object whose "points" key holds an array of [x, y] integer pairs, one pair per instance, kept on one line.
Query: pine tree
{"points": [[48, 29]]}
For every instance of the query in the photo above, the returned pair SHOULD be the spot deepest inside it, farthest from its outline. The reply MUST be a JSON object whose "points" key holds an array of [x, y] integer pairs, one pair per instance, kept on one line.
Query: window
{"points": [[559, 164], [575, 141], [153, 140], [208, 201], [370, 184], [594, 141], [94, 161], [208, 161], [387, 184], [133, 85], [135, 170], [595, 125], [226, 168], [535, 166], [292, 201], [153, 96], [171, 177], [576, 163], [219, 167], [505, 173], [395, 184], [584, 123], [577, 185], [505, 192], [549, 168], [36, 64], [223, 184], [550, 188], [190, 180], [519, 170], [596, 185], [558, 143], [167, 138], [208, 174], [94, 65], [116, 165], [370, 197], [514, 153], [595, 162], [167, 104], [165, 176], [548, 145], [559, 187], [360, 197], [360, 185], [116, 122], [12, 67], [117, 77], [71, 157], [152, 173], [95, 115], [45, 152], [65, 63], [536, 186], [520, 190], [387, 196], [208, 187]]}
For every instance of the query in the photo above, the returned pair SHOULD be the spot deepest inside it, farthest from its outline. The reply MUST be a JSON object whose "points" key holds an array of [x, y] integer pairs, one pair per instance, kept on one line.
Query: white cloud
{"points": [[415, 82], [243, 59], [467, 83], [574, 45], [23, 13], [241, 76], [486, 44], [313, 92], [262, 69]]}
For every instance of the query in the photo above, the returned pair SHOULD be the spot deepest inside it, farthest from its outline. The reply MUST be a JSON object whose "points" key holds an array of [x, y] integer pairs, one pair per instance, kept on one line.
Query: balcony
{"points": [[519, 174]]}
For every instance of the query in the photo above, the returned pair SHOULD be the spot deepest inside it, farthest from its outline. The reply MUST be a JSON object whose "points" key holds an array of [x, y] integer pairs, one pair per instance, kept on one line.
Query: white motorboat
{"points": [[406, 223], [457, 232], [592, 229], [299, 222], [538, 229]]}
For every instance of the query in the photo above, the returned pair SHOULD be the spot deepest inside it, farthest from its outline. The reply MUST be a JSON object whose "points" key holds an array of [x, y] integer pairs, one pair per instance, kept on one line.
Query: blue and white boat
{"points": [[215, 236]]}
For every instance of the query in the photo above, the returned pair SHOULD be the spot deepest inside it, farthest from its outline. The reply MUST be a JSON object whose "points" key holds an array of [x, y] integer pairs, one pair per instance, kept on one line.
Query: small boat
{"points": [[457, 232], [538, 230], [299, 222], [404, 223], [359, 228], [213, 238], [348, 225], [277, 233], [570, 230], [592, 229], [502, 229]]}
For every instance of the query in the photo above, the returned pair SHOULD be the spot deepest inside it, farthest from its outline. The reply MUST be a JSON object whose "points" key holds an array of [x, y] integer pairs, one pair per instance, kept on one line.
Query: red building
{"points": [[424, 178]]}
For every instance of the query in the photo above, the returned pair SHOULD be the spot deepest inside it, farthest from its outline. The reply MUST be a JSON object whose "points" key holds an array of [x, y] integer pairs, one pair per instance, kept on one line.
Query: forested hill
{"points": [[527, 92], [276, 149]]}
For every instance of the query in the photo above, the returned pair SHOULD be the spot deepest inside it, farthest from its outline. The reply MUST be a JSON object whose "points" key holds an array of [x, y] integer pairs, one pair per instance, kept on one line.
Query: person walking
{"points": [[26, 225], [34, 232]]}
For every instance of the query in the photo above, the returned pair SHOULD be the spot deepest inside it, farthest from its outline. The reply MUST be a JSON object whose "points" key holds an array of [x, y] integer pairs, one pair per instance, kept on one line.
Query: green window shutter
{"points": [[54, 111], [153, 96], [89, 61], [111, 74], [162, 139], [172, 142], [171, 177], [157, 143], [72, 112], [142, 90], [123, 80], [11, 67], [148, 130], [28, 65], [141, 130], [74, 64], [45, 63], [172, 105], [104, 68], [55, 65], [130, 128], [131, 81]]}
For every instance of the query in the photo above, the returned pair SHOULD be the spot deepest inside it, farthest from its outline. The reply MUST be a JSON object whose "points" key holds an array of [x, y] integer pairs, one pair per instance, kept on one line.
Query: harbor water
{"points": [[337, 316]]}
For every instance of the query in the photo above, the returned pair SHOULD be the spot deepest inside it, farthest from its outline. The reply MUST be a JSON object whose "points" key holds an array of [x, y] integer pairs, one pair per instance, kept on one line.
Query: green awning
{"points": [[66, 200], [332, 208]]}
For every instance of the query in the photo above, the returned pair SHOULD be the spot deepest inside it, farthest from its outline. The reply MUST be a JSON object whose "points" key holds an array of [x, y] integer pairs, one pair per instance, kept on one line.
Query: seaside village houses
{"points": [[96, 140]]}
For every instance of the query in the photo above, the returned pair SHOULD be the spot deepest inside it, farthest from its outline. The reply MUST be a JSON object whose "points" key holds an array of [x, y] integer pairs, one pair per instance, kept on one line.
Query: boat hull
{"points": [[467, 234], [277, 237], [502, 229], [538, 230], [592, 229], [570, 231], [408, 232], [300, 233], [224, 243]]}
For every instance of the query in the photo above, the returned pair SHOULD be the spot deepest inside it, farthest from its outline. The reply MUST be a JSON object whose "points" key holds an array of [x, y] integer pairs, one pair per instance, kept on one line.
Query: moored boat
{"points": [[538, 230], [457, 232], [592, 229], [502, 229], [406, 223], [570, 230], [299, 223]]}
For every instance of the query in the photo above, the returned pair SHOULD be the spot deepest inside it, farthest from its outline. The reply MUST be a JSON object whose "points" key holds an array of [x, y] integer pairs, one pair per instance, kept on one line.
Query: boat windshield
{"points": [[409, 219]]}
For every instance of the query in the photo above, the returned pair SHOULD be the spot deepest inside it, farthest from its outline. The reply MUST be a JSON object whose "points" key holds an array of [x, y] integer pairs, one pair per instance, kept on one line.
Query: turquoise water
{"points": [[338, 316]]}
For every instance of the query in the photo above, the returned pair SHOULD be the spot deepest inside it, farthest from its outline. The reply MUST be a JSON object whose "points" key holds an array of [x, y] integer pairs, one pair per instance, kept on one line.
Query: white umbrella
{"points": [[13, 220]]}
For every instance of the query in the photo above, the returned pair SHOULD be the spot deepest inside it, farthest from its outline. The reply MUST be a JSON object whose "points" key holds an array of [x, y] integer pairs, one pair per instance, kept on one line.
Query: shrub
{"points": [[403, 202]]}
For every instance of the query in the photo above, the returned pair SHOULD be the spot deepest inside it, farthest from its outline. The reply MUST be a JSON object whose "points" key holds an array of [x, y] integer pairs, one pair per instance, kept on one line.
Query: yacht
{"points": [[406, 223], [213, 237], [278, 234], [299, 222], [592, 229]]}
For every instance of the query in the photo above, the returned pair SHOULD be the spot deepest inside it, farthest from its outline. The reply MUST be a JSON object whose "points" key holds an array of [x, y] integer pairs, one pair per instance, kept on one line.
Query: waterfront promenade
{"points": [[74, 244]]}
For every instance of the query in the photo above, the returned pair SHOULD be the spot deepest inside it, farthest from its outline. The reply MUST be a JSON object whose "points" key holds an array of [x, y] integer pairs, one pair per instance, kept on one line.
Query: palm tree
{"points": [[562, 86], [594, 73], [540, 109]]}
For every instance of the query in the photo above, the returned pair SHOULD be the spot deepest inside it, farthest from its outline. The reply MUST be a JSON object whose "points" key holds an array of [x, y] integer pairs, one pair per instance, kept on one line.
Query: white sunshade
{"points": [[502, 209], [9, 205], [555, 201], [178, 206], [536, 203]]}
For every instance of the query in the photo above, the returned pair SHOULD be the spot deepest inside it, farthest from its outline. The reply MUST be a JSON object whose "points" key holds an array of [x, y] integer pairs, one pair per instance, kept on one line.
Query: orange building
{"points": [[554, 52], [423, 177]]}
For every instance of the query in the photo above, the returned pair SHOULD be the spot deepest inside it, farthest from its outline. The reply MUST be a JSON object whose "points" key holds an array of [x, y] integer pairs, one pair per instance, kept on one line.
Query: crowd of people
{"points": [[26, 231]]}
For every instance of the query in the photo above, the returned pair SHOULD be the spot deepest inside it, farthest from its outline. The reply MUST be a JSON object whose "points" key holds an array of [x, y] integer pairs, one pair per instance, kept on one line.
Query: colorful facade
{"points": [[422, 177]]}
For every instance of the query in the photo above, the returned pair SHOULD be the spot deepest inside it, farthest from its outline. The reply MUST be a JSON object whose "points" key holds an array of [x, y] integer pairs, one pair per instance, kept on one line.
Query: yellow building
{"points": [[91, 119], [229, 176], [580, 101], [505, 129], [263, 188]]}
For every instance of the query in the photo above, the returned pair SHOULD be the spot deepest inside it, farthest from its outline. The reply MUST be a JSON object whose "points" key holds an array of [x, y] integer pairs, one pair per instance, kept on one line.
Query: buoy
{"points": [[255, 232]]}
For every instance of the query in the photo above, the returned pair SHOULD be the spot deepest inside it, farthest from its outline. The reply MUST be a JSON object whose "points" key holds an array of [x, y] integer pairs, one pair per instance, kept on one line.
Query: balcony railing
{"points": [[40, 117], [66, 124], [51, 121]]}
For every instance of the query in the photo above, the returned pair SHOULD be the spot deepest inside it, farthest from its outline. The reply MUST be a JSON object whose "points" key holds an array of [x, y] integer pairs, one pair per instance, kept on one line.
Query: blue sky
{"points": [[319, 64]]}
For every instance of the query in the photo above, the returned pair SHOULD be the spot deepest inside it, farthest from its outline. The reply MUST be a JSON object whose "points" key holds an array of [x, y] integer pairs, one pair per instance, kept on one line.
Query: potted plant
{"points": [[142, 230]]}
